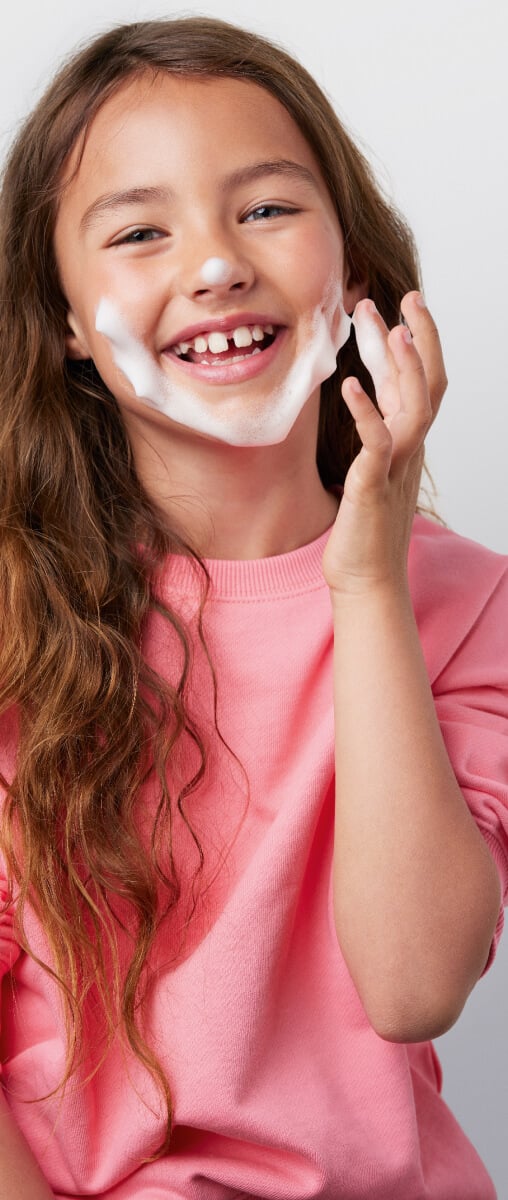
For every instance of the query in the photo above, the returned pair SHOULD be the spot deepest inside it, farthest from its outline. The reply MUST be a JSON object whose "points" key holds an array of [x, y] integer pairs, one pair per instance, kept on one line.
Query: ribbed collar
{"points": [[246, 579]]}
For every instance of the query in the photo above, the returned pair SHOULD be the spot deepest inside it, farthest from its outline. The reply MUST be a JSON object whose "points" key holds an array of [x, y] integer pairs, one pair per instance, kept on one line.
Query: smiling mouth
{"points": [[217, 348]]}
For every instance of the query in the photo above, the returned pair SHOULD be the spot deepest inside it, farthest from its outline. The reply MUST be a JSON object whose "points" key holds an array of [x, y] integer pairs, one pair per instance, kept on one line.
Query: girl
{"points": [[252, 857]]}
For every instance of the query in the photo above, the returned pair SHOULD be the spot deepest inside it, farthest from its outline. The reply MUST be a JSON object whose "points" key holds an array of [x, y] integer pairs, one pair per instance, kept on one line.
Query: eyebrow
{"points": [[244, 175], [276, 166], [131, 196]]}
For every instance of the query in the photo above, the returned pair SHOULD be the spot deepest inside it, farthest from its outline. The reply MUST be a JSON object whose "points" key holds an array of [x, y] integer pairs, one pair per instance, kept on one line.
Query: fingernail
{"points": [[420, 300], [406, 334]]}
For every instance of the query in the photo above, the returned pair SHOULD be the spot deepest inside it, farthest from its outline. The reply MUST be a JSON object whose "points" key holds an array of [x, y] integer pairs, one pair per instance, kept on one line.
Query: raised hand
{"points": [[369, 543], [416, 894]]}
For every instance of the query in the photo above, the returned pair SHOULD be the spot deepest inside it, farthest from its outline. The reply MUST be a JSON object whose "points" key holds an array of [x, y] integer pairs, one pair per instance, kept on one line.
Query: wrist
{"points": [[381, 595]]}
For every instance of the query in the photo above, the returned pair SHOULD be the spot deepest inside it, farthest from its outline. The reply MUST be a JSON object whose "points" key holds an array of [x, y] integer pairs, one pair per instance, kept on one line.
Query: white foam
{"points": [[130, 356], [372, 347], [226, 412], [216, 270]]}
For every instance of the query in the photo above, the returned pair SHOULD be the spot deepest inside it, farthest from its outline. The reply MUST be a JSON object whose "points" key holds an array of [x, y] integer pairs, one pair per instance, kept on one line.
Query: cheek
{"points": [[103, 360], [88, 280], [139, 314], [320, 266]]}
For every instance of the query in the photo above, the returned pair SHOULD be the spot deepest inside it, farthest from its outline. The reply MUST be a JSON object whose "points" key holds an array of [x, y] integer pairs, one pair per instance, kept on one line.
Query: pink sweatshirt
{"points": [[281, 1088]]}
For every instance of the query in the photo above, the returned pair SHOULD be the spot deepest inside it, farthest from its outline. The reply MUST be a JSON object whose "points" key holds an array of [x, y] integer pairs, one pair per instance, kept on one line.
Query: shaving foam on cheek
{"points": [[329, 330], [235, 417], [372, 346], [129, 355], [146, 377]]}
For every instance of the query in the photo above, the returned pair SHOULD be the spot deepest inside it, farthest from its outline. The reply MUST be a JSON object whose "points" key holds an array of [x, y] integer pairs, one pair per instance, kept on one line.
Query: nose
{"points": [[216, 271], [218, 275]]}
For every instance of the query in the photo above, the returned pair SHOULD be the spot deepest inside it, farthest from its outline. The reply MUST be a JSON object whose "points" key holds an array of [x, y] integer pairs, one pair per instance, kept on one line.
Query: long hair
{"points": [[76, 590]]}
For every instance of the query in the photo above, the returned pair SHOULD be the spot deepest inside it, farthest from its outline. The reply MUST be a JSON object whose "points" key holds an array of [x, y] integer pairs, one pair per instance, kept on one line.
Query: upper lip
{"points": [[225, 324]]}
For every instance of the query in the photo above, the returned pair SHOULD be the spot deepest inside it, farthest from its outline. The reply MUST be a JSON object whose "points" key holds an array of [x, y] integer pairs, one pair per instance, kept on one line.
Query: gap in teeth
{"points": [[217, 342]]}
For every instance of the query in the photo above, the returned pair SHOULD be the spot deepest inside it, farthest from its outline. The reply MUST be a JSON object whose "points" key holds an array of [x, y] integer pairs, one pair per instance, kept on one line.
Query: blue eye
{"points": [[266, 211]]}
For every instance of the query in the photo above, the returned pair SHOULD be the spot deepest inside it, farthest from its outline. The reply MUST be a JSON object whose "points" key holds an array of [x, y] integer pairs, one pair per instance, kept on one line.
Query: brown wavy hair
{"points": [[94, 720]]}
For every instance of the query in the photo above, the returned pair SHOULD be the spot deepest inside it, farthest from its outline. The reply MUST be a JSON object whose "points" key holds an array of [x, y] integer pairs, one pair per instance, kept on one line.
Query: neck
{"points": [[235, 502]]}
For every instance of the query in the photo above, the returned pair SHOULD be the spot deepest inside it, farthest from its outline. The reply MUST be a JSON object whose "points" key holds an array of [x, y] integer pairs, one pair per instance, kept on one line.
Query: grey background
{"points": [[424, 89]]}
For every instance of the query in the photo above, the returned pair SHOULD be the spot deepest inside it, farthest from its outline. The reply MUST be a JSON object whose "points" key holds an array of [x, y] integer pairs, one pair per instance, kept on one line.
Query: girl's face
{"points": [[174, 173]]}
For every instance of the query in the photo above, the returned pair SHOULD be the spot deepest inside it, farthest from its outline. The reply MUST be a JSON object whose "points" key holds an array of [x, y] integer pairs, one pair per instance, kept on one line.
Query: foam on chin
{"points": [[232, 417]]}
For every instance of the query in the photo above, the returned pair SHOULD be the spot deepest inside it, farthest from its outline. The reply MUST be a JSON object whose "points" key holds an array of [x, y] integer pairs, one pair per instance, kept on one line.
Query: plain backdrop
{"points": [[424, 89]]}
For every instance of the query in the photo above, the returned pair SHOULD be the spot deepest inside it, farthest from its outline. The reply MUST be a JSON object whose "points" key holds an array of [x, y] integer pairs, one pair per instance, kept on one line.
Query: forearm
{"points": [[20, 1176], [416, 893]]}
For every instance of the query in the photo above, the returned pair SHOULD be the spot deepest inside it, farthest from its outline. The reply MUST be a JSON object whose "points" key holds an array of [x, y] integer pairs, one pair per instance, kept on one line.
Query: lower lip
{"points": [[231, 372]]}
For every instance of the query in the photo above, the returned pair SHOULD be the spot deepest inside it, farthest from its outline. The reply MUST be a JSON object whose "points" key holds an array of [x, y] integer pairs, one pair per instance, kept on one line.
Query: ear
{"points": [[355, 289], [75, 341]]}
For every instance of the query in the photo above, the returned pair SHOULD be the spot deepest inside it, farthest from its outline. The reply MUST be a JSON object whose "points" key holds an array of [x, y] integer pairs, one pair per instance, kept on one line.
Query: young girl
{"points": [[252, 857]]}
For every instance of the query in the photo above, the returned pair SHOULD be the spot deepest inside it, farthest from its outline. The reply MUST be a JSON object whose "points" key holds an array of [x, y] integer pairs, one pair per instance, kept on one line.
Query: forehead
{"points": [[164, 122]]}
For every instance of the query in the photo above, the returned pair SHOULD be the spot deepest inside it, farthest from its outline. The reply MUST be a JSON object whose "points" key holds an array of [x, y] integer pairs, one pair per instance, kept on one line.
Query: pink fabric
{"points": [[9, 949], [282, 1090]]}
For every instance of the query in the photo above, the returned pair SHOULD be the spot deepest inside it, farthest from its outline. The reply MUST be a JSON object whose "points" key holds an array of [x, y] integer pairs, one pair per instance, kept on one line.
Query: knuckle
{"points": [[419, 368], [432, 329], [438, 384], [423, 424]]}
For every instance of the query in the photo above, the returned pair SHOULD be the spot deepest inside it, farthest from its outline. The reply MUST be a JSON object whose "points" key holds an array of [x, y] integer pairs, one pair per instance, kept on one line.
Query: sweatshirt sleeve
{"points": [[461, 604], [471, 697], [9, 948]]}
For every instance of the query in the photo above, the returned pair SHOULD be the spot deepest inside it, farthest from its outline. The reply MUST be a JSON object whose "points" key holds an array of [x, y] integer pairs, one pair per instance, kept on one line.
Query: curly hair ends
{"points": [[81, 543]]}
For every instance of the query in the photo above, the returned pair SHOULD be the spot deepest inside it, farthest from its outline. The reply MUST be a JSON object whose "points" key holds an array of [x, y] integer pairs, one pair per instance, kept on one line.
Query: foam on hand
{"points": [[372, 346], [231, 414], [216, 270]]}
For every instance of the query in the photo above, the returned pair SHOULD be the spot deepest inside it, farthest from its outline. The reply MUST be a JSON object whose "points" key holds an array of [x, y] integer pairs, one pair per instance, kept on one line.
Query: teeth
{"points": [[217, 342], [243, 336], [241, 357], [237, 358]]}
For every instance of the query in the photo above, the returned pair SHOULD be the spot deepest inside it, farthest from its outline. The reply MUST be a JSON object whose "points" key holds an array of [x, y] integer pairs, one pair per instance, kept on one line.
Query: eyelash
{"points": [[133, 238], [279, 209]]}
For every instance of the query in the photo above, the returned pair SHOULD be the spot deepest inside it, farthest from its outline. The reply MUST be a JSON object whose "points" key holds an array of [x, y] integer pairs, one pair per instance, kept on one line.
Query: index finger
{"points": [[374, 350], [428, 344]]}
